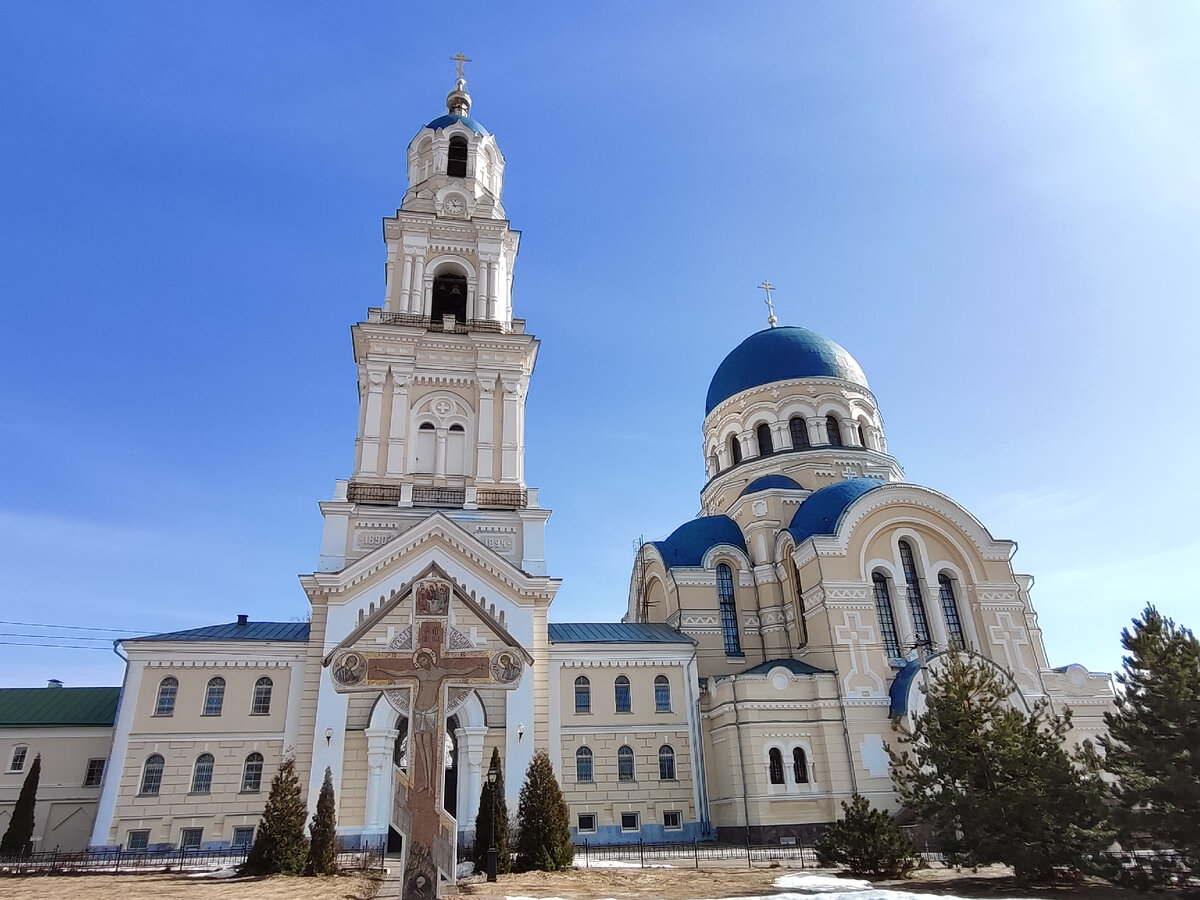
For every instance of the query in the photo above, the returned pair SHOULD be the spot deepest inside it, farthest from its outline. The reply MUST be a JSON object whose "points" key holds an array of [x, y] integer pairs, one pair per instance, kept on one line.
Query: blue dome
{"points": [[766, 482], [820, 512], [780, 354], [447, 120], [688, 543]]}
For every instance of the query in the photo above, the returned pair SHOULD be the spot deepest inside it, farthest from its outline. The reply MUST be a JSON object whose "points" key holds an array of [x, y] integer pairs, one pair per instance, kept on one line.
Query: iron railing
{"points": [[501, 499], [133, 862], [439, 496], [431, 324], [360, 492]]}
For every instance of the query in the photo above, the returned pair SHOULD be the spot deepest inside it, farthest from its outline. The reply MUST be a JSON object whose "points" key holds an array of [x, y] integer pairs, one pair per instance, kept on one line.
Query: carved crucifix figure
{"points": [[427, 670]]}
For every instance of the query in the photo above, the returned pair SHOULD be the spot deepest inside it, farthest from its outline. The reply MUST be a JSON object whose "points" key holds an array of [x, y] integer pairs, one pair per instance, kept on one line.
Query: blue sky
{"points": [[993, 207]]}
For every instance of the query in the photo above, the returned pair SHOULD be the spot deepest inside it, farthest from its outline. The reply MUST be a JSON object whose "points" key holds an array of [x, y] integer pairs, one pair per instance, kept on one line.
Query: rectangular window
{"points": [[16, 762], [190, 838], [243, 837], [137, 840], [629, 821], [673, 820], [95, 773], [587, 823]]}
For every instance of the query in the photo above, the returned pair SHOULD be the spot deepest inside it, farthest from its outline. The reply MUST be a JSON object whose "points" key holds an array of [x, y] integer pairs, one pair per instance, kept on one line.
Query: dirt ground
{"points": [[182, 887], [739, 881]]}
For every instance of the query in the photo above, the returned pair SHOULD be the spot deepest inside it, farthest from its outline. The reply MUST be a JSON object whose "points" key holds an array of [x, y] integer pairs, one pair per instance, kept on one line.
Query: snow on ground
{"points": [[623, 864]]}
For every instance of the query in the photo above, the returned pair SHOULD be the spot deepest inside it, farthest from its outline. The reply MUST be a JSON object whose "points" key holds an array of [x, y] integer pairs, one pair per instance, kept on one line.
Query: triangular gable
{"points": [[433, 569]]}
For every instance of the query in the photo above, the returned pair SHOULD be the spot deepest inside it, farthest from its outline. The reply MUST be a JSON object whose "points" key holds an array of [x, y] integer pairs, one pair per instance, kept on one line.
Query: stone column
{"points": [[380, 744], [439, 458], [816, 431], [399, 424], [850, 433], [406, 282], [389, 291], [417, 301], [481, 294], [471, 767], [376, 375]]}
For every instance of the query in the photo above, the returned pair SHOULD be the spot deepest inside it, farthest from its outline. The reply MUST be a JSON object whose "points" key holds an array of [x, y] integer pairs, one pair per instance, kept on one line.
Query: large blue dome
{"points": [[780, 354]]}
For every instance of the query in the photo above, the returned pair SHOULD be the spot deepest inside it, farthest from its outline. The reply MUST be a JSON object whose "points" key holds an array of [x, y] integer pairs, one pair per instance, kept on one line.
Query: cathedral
{"points": [[767, 648]]}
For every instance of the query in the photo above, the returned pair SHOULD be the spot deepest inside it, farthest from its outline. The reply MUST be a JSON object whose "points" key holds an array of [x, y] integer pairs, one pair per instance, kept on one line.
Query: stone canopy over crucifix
{"points": [[427, 661]]}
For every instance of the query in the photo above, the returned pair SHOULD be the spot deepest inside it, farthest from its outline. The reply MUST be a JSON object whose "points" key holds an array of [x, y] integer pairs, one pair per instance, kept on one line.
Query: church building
{"points": [[767, 645]]}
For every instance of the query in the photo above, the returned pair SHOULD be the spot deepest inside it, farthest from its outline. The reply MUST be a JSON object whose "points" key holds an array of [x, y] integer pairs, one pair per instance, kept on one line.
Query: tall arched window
{"points": [[775, 766], [202, 774], [666, 763], [583, 695], [883, 609], [729, 622], [625, 763], [862, 436], [801, 625], [252, 774], [426, 449], [449, 296], [662, 694], [261, 705], [954, 626], [456, 159], [168, 689], [214, 696], [798, 426], [735, 450], [763, 433], [583, 764], [799, 766], [916, 603], [152, 773], [833, 429], [623, 699], [456, 450]]}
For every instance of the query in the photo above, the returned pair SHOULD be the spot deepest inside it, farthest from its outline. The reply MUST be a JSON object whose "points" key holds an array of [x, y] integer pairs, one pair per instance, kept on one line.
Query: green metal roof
{"points": [[58, 706], [233, 631], [615, 633]]}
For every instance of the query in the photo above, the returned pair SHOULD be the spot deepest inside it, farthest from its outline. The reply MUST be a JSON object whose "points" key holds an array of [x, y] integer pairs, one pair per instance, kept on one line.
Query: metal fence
{"points": [[647, 854], [135, 862]]}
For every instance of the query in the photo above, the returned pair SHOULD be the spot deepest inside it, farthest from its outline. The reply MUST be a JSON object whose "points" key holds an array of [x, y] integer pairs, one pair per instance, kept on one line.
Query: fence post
{"points": [[749, 864], [696, 853], [587, 860]]}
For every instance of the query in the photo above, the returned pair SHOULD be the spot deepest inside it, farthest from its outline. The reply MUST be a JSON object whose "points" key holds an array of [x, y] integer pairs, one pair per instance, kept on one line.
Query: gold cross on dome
{"points": [[768, 287], [458, 59]]}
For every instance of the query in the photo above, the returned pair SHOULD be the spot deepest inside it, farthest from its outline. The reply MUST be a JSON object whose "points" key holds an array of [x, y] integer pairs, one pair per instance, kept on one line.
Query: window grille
{"points": [[261, 705], [95, 773], [243, 837], [168, 688], [583, 764], [190, 838], [916, 603], [202, 774], [729, 623], [583, 695], [252, 773], [138, 839], [798, 426], [214, 696], [883, 609], [666, 763], [662, 694], [623, 700], [625, 763], [16, 762], [954, 626], [152, 773]]}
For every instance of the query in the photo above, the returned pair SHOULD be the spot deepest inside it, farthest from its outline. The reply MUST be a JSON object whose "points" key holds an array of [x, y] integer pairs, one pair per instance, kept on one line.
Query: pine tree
{"points": [[543, 829], [20, 828], [280, 845], [493, 813], [866, 842], [1153, 741], [322, 848], [995, 784]]}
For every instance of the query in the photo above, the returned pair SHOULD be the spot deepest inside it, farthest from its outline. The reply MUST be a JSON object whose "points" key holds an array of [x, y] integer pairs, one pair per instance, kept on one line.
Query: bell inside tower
{"points": [[449, 296]]}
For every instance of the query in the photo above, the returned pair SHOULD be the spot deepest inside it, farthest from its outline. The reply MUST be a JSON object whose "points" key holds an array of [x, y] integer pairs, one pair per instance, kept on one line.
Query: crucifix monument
{"points": [[437, 659]]}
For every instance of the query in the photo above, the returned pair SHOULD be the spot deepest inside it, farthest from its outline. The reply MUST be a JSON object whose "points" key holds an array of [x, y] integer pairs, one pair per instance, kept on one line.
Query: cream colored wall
{"points": [[188, 716], [66, 809], [603, 697]]}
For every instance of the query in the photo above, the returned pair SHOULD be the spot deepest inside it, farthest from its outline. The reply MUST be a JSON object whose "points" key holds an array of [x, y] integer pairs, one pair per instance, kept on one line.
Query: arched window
{"points": [[916, 603], [735, 450], [666, 763], [798, 426], [801, 624], [261, 705], [763, 433], [954, 626], [833, 429], [202, 774], [662, 694], [862, 435], [449, 296], [583, 695], [883, 609], [456, 451], [152, 774], [729, 622], [214, 696], [799, 766], [583, 764], [456, 159], [625, 763], [775, 766], [426, 449], [621, 692], [168, 689], [252, 774]]}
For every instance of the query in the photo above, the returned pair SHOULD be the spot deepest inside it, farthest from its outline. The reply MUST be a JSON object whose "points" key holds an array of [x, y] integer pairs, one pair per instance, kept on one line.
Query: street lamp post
{"points": [[492, 777]]}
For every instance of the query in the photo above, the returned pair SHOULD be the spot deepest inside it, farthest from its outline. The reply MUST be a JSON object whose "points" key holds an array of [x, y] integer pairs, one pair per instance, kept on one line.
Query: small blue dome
{"points": [[820, 512], [767, 482], [447, 120], [780, 354], [688, 543]]}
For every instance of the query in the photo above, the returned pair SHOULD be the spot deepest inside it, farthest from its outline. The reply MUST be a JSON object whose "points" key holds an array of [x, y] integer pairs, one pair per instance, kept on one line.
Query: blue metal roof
{"points": [[770, 481], [779, 354], [615, 633], [792, 665], [820, 512], [898, 692], [449, 119], [688, 543], [58, 706], [234, 631]]}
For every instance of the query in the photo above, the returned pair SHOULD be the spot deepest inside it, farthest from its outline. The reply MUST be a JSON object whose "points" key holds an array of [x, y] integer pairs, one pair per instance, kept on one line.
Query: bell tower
{"points": [[443, 367]]}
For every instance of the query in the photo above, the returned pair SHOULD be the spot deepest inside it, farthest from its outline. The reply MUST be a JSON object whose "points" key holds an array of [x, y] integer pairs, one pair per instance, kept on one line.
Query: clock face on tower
{"points": [[453, 206]]}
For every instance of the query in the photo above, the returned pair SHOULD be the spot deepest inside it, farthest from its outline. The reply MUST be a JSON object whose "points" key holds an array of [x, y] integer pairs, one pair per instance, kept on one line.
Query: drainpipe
{"points": [[737, 726]]}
